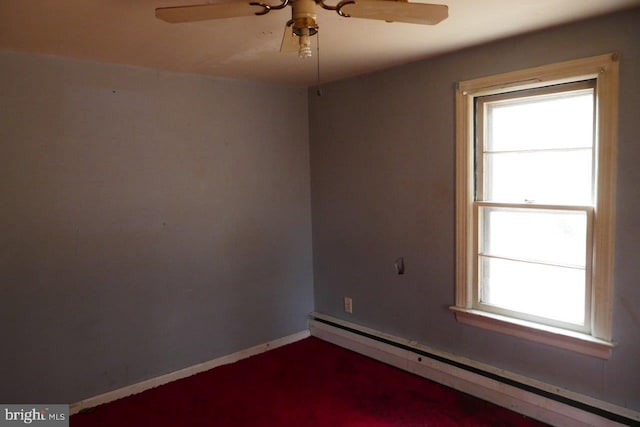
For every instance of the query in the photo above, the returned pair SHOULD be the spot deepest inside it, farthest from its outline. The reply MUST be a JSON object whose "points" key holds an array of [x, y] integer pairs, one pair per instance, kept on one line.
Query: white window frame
{"points": [[596, 340]]}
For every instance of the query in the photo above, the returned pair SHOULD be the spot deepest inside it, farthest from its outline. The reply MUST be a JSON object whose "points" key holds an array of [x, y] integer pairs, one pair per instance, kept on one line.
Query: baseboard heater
{"points": [[421, 353]]}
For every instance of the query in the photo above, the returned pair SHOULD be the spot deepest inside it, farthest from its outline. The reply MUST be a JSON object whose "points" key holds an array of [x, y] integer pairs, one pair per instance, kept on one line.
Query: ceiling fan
{"points": [[302, 24]]}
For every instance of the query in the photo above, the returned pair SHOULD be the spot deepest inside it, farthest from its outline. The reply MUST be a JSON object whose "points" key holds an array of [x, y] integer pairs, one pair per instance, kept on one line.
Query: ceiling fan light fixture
{"points": [[304, 24], [305, 44]]}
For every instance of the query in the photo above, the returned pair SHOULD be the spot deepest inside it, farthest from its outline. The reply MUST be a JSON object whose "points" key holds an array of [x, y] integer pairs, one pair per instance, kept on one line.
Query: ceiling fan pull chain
{"points": [[318, 90]]}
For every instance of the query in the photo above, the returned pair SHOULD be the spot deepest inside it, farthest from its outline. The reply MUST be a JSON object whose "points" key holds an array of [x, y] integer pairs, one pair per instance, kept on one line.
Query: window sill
{"points": [[568, 340]]}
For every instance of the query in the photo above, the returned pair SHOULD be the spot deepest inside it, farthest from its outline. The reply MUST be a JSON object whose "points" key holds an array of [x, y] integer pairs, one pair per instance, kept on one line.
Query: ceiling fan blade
{"points": [[202, 12], [290, 42], [397, 11]]}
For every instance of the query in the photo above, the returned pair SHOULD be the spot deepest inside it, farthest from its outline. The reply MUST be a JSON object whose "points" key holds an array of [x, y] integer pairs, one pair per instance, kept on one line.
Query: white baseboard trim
{"points": [[183, 373], [458, 373]]}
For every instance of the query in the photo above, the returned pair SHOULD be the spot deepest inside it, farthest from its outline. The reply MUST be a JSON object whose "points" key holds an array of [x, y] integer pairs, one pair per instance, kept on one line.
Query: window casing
{"points": [[572, 280]]}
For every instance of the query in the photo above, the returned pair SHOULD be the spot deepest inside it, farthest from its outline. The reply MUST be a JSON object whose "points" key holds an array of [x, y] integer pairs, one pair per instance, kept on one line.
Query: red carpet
{"points": [[310, 383]]}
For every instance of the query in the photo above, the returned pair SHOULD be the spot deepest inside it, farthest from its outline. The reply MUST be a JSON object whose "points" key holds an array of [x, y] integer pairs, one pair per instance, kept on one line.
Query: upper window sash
{"points": [[485, 139]]}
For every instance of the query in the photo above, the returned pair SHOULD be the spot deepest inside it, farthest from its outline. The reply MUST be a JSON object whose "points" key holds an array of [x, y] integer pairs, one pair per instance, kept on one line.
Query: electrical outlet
{"points": [[348, 305]]}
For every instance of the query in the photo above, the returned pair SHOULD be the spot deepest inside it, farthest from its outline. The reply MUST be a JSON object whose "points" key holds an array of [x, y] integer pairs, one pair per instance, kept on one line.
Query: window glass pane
{"points": [[555, 237], [546, 291], [555, 177], [562, 120]]}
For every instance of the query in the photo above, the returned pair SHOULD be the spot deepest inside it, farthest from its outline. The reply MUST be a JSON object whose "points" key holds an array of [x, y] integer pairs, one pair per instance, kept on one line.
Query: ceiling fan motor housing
{"points": [[304, 17]]}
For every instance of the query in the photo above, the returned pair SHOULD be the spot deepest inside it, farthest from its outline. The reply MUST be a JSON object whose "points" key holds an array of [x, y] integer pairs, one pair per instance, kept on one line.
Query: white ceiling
{"points": [[127, 32]]}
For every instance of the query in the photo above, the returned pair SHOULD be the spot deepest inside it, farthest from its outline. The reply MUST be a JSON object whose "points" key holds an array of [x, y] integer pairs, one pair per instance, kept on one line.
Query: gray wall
{"points": [[149, 221], [382, 179]]}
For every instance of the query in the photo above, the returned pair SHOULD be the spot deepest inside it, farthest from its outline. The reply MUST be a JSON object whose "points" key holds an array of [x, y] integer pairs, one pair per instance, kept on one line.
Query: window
{"points": [[536, 153]]}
